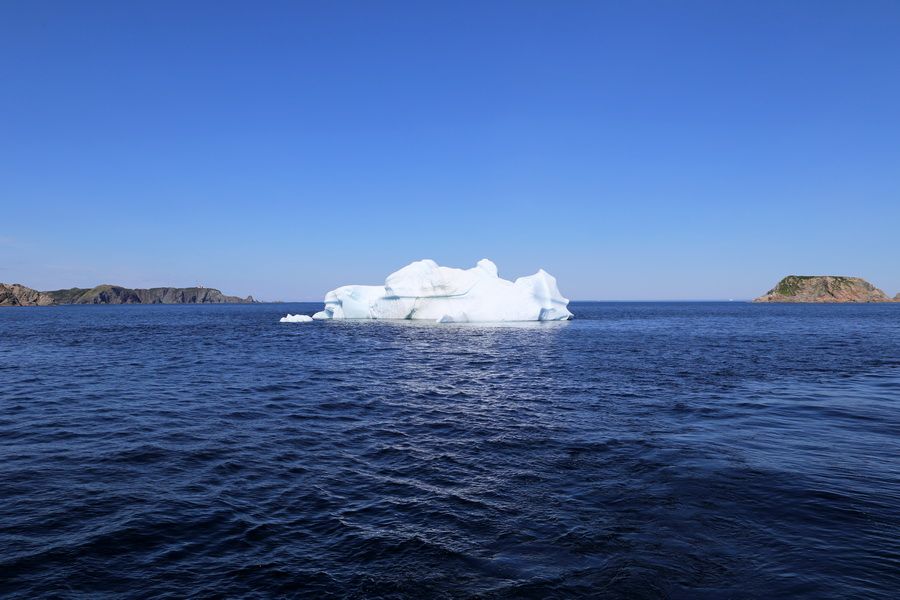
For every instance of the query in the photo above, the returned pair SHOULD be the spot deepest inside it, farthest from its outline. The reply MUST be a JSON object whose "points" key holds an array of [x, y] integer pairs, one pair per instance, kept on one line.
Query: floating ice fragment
{"points": [[425, 290], [296, 319]]}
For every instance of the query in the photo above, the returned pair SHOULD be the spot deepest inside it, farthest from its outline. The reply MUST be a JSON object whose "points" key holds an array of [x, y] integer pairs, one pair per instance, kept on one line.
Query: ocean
{"points": [[643, 450]]}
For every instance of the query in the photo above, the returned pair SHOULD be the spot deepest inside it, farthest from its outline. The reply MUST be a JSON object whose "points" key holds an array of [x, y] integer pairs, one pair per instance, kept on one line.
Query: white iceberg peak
{"points": [[488, 266], [426, 290]]}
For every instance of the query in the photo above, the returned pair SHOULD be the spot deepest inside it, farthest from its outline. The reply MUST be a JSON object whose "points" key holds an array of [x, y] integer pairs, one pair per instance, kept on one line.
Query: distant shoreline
{"points": [[17, 295]]}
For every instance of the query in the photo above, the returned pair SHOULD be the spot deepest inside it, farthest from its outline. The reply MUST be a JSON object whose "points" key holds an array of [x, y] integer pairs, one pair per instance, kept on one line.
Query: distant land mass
{"points": [[825, 289], [20, 295]]}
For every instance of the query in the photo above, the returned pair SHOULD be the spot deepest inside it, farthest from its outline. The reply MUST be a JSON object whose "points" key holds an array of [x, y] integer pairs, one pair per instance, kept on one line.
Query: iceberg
{"points": [[296, 319], [425, 290]]}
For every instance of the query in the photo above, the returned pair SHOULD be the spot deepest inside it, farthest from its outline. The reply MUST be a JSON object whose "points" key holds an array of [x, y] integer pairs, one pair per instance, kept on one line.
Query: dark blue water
{"points": [[708, 450]]}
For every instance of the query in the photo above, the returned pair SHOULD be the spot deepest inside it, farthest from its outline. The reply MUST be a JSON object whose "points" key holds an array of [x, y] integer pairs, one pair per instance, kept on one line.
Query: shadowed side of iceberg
{"points": [[424, 290]]}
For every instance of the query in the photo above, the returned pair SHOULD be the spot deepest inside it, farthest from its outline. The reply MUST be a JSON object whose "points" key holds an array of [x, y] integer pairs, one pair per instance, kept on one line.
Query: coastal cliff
{"points": [[14, 294], [824, 289], [19, 295]]}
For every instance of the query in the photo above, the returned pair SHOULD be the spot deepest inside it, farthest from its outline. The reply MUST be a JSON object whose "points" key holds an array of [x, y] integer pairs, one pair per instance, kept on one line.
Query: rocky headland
{"points": [[20, 295], [825, 289], [15, 294]]}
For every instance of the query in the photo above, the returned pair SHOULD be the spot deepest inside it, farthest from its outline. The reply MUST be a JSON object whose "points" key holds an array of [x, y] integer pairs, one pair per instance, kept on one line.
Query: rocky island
{"points": [[825, 289], [20, 295]]}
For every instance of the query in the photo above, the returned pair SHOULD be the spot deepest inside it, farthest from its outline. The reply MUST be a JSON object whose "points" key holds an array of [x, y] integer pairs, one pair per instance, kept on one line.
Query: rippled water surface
{"points": [[704, 450]]}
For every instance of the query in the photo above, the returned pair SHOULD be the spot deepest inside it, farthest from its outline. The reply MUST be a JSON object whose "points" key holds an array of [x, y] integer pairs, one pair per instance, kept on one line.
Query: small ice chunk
{"points": [[296, 319]]}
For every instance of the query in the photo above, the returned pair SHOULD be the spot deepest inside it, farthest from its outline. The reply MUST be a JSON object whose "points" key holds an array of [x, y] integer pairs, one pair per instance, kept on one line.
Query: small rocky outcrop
{"points": [[824, 289], [14, 294]]}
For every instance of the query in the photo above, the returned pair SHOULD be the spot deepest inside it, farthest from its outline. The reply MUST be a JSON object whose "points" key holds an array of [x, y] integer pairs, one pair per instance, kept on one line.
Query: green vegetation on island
{"points": [[825, 289]]}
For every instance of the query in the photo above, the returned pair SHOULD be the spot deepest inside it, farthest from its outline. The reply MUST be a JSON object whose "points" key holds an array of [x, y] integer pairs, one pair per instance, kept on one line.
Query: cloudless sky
{"points": [[636, 150]]}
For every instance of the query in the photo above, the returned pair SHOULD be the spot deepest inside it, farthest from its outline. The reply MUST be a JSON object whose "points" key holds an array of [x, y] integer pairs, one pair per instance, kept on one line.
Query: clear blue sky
{"points": [[636, 150]]}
